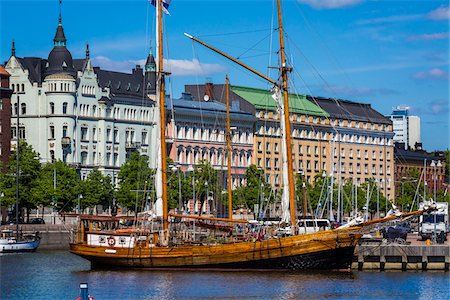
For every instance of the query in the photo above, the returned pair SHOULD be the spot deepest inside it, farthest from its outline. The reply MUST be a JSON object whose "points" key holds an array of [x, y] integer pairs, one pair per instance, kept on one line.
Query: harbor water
{"points": [[57, 275]]}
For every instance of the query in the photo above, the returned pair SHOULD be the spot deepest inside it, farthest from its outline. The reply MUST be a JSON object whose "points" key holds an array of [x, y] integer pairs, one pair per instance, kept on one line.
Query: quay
{"points": [[413, 255], [53, 236]]}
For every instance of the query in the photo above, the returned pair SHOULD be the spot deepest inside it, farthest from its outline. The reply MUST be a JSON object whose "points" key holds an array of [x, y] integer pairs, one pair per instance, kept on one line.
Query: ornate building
{"points": [[83, 115]]}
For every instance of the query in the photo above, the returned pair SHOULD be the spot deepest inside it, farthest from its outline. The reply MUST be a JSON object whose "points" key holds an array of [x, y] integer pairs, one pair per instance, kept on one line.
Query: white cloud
{"points": [[175, 66], [442, 13], [183, 67], [433, 74], [390, 19], [429, 36], [330, 4], [439, 107]]}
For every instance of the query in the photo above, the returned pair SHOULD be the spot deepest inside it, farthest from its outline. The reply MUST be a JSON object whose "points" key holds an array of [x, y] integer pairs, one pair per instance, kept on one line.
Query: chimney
{"points": [[209, 90]]}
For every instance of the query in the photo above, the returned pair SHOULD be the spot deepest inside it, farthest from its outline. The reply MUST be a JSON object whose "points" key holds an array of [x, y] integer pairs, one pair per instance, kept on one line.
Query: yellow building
{"points": [[352, 137]]}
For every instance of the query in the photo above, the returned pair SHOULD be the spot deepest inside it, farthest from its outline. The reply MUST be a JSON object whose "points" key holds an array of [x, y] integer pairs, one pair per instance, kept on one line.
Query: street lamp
{"points": [[435, 164]]}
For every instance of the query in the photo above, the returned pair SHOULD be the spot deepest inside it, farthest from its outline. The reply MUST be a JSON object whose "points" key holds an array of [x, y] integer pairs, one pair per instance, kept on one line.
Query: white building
{"points": [[406, 128], [83, 115]]}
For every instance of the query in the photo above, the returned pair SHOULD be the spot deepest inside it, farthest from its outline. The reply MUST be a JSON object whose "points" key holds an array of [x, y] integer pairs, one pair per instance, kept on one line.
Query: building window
{"points": [[108, 134], [65, 108], [267, 163], [52, 108], [21, 132], [116, 135], [308, 165], [52, 132], [52, 155], [116, 159], [144, 137], [64, 131], [108, 158], [23, 108], [300, 149], [308, 150], [259, 146], [94, 133], [94, 157], [15, 109], [316, 165], [267, 147], [84, 156], [84, 133], [276, 163], [316, 150]]}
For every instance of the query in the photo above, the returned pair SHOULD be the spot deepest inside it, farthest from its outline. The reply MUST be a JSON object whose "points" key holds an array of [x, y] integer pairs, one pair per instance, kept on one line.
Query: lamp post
{"points": [[435, 164]]}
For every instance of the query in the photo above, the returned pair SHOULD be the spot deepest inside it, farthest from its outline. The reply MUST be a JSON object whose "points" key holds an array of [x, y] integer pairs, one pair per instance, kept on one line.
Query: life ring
{"points": [[111, 241]]}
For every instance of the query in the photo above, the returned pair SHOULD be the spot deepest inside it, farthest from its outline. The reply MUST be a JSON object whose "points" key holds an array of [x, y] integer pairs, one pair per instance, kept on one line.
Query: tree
{"points": [[29, 169], [135, 182], [96, 189], [58, 185], [205, 179], [254, 190]]}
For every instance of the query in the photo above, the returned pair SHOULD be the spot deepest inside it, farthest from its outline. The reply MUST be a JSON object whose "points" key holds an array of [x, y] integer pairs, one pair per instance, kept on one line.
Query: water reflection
{"points": [[57, 275]]}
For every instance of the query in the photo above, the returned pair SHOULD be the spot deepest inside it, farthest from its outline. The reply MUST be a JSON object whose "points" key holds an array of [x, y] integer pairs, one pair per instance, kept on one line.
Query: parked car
{"points": [[37, 221]]}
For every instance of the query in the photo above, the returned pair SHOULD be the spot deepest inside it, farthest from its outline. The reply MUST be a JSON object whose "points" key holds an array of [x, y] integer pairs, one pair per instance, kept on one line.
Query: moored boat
{"points": [[159, 243], [26, 243]]}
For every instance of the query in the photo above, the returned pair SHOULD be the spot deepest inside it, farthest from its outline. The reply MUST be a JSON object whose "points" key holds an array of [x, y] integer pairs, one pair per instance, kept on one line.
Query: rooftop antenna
{"points": [[87, 50]]}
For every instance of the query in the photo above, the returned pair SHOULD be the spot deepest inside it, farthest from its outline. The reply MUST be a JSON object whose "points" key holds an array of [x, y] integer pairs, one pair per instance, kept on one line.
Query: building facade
{"points": [[363, 146], [347, 139], [197, 131], [5, 118], [85, 116], [406, 127], [406, 160]]}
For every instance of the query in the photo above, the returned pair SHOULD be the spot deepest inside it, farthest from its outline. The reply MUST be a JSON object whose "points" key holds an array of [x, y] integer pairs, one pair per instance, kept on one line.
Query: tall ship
{"points": [[172, 240]]}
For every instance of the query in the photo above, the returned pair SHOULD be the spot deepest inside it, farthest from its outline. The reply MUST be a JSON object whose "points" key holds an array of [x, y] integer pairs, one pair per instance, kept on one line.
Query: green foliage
{"points": [[29, 171], [64, 197], [135, 177], [96, 189], [250, 194]]}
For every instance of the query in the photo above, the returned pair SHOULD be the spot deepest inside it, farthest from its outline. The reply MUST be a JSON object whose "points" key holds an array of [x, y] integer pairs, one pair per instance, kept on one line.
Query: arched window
{"points": [[65, 108], [15, 109], [23, 87], [84, 156], [23, 108], [52, 108], [94, 110]]}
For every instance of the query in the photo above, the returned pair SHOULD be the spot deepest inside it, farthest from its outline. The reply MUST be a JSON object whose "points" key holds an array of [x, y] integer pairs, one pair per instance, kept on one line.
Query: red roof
{"points": [[3, 71]]}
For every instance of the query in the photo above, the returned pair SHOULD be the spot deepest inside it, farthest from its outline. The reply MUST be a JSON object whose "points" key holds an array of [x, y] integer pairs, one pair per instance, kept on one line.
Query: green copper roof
{"points": [[262, 99]]}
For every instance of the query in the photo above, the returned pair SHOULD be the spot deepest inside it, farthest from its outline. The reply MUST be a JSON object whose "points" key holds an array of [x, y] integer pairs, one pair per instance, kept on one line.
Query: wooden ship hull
{"points": [[332, 249]]}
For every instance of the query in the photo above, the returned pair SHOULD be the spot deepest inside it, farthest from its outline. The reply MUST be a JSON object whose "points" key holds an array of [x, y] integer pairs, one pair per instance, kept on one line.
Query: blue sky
{"points": [[385, 53]]}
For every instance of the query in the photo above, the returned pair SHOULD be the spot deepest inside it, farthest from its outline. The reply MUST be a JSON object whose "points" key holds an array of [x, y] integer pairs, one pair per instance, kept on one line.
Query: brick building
{"points": [[5, 117]]}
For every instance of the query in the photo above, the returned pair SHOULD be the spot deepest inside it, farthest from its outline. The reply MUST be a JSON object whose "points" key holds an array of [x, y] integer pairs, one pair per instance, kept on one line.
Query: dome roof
{"points": [[60, 61]]}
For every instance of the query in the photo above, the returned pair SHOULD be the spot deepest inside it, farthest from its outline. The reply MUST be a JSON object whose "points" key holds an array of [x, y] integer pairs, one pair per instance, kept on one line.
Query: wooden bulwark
{"points": [[186, 256]]}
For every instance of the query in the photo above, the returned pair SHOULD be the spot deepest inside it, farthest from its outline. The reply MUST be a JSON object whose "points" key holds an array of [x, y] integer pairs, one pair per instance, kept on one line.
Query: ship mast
{"points": [[230, 196], [284, 89], [288, 172], [162, 122]]}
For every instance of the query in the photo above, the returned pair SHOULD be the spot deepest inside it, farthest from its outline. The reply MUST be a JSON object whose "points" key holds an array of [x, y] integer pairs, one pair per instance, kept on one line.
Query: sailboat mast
{"points": [[230, 196], [284, 70], [17, 166], [162, 114]]}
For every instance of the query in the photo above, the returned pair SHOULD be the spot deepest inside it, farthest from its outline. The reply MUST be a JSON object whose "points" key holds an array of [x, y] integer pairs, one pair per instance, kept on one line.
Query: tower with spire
{"points": [[150, 74]]}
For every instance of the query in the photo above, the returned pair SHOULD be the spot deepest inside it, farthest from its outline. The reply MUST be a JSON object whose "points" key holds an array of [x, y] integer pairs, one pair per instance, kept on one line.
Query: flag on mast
{"points": [[165, 4]]}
